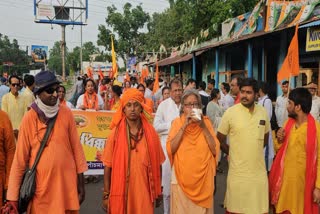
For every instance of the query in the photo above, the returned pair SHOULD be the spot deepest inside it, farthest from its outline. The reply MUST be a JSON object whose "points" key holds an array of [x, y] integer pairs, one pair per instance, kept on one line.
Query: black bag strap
{"points": [[44, 141], [267, 98]]}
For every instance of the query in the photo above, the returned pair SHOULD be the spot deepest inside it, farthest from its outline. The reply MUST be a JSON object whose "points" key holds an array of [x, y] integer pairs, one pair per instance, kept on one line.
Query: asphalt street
{"points": [[93, 201]]}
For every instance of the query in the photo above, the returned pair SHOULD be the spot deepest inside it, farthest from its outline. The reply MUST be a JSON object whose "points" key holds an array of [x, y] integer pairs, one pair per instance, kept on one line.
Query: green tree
{"points": [[128, 28], [10, 52], [55, 61], [88, 48], [186, 18]]}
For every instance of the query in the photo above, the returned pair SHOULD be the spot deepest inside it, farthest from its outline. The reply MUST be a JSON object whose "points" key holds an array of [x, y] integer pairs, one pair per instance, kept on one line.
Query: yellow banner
{"points": [[313, 39], [93, 129]]}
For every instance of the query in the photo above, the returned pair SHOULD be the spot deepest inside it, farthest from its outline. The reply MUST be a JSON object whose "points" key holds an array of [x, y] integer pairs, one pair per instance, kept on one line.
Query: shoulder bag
{"points": [[28, 185]]}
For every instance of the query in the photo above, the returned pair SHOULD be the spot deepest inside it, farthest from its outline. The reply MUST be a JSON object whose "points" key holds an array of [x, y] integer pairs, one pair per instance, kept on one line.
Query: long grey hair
{"points": [[188, 93]]}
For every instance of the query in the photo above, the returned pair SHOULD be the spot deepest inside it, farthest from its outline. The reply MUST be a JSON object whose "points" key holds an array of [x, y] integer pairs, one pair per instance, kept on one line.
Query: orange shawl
{"points": [[62, 102], [276, 173], [121, 155], [193, 162], [94, 104]]}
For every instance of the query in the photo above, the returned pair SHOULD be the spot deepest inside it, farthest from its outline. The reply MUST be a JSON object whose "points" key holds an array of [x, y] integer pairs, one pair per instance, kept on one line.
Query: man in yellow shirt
{"points": [[295, 175], [247, 125], [28, 92], [14, 104]]}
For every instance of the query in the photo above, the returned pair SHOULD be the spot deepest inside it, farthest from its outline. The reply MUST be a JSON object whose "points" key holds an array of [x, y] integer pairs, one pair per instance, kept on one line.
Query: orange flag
{"points": [[156, 82], [100, 74], [127, 76], [89, 72], [290, 66], [114, 61]]}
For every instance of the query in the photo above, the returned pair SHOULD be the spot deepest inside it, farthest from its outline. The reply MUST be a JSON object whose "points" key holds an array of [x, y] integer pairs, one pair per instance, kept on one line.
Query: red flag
{"points": [[156, 82], [290, 66]]}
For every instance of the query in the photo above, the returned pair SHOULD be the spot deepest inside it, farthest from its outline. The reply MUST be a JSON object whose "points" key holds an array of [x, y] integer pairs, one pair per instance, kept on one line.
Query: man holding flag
{"points": [[294, 180]]}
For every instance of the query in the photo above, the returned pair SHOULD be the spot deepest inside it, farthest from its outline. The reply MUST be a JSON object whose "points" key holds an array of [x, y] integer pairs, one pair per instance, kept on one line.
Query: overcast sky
{"points": [[17, 21]]}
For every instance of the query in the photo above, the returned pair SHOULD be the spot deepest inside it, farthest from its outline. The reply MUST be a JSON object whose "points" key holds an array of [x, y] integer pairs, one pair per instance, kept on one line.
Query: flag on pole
{"points": [[156, 82], [144, 74], [127, 77], [101, 76], [89, 72], [290, 66], [114, 61]]}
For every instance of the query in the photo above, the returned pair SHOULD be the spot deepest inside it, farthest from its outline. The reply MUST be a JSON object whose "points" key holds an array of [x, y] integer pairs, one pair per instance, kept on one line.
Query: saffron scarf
{"points": [[120, 165], [276, 173], [90, 103], [63, 103], [121, 153]]}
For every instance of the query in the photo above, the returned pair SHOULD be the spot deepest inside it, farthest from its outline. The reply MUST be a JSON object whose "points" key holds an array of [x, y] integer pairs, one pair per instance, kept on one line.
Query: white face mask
{"points": [[49, 111]]}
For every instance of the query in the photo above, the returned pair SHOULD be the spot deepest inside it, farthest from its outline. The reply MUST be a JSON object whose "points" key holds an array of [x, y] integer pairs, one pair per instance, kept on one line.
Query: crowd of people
{"points": [[171, 157]]}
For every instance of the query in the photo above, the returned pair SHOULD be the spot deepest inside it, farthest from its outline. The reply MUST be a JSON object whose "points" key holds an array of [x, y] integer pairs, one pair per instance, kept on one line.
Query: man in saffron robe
{"points": [[59, 173], [132, 159], [7, 149], [294, 180]]}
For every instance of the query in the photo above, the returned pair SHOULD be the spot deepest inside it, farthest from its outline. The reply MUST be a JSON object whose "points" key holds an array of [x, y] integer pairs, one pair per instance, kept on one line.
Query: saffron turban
{"points": [[131, 94]]}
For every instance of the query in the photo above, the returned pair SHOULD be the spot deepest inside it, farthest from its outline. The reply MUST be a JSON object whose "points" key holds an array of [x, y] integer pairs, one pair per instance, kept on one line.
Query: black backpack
{"points": [[273, 120]]}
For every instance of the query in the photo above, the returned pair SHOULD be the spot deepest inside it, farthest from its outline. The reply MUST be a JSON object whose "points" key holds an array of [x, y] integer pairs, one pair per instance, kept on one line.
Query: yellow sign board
{"points": [[93, 129], [313, 39]]}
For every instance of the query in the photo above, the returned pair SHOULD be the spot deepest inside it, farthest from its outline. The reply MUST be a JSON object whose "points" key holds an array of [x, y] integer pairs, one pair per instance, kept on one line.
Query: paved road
{"points": [[92, 204]]}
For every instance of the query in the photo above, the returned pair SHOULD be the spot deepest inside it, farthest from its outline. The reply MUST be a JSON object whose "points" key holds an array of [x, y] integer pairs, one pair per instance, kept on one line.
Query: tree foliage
{"points": [[182, 21], [10, 52], [127, 26], [186, 18], [73, 57]]}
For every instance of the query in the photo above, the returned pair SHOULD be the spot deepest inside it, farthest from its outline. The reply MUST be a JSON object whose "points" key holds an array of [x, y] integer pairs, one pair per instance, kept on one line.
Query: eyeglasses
{"points": [[15, 84], [51, 90], [192, 105]]}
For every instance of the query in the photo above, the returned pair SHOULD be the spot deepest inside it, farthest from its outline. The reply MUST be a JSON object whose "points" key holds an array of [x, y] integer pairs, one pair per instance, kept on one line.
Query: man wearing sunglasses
{"points": [[14, 104], [59, 181]]}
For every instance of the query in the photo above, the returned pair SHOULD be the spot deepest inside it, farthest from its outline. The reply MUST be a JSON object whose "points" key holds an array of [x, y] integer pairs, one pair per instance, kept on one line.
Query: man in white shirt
{"points": [[226, 100], [167, 111], [315, 109], [3, 88], [205, 97], [266, 102], [148, 93], [281, 104]]}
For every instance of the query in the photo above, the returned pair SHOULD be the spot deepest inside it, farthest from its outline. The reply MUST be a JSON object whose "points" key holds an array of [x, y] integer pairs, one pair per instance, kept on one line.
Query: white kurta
{"points": [[167, 111], [226, 102], [267, 104], [80, 101], [315, 109], [281, 110]]}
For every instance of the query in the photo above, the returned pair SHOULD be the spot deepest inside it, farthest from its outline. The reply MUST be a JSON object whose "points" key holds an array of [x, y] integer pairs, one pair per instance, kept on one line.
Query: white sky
{"points": [[17, 21]]}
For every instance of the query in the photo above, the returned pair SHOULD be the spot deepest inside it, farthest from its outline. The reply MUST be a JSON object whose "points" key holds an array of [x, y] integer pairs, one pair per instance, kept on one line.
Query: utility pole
{"points": [[63, 52], [81, 67]]}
